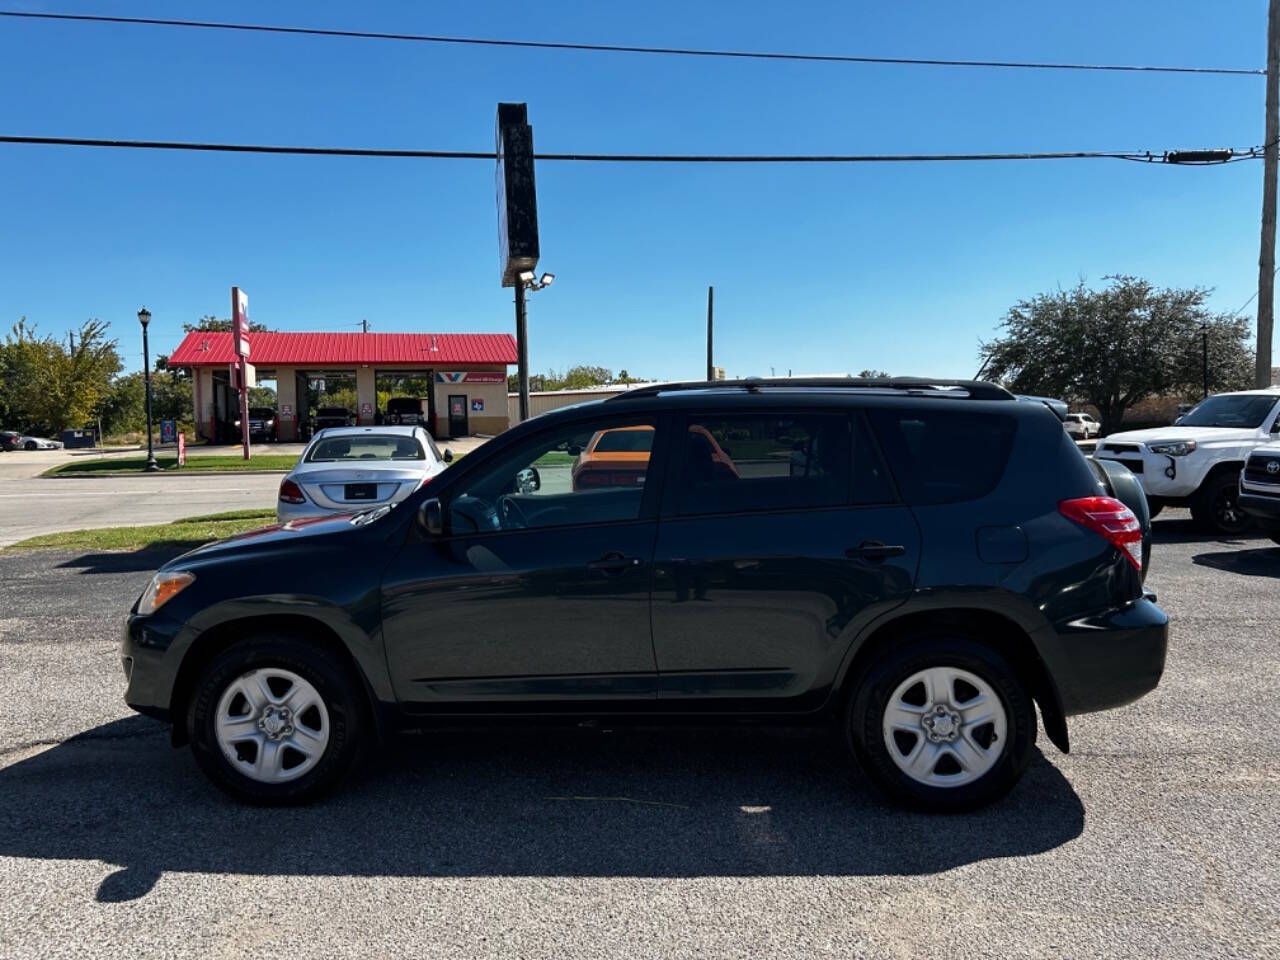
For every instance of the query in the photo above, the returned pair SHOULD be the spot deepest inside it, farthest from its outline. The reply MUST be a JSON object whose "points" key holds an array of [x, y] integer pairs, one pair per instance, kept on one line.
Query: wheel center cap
{"points": [[275, 722], [941, 724]]}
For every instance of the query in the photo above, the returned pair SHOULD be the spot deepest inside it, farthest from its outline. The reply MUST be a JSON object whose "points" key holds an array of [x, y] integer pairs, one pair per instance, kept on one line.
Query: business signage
{"points": [[470, 376], [477, 406], [517, 200], [168, 431], [240, 321]]}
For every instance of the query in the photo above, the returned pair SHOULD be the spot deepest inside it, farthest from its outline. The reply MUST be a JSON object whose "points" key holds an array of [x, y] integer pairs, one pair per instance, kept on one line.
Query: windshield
{"points": [[366, 447], [1228, 411], [266, 413]]}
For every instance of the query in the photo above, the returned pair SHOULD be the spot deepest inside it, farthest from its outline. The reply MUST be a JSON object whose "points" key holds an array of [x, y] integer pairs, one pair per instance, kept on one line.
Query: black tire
{"points": [[30, 445], [1216, 505], [1154, 506], [867, 706], [343, 699]]}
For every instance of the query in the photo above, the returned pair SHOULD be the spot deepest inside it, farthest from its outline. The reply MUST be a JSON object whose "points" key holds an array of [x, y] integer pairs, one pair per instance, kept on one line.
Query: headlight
{"points": [[164, 586], [1174, 448], [237, 423]]}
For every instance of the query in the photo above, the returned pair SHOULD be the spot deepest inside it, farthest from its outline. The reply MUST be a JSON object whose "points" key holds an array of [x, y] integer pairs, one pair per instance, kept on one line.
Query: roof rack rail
{"points": [[921, 386]]}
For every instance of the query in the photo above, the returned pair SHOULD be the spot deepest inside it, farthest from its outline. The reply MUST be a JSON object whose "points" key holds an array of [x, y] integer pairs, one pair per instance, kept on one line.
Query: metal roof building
{"points": [[467, 373]]}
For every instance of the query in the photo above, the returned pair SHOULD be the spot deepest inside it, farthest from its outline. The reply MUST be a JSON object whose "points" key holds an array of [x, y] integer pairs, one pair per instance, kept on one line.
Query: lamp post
{"points": [[144, 318], [526, 281], [1204, 357]]}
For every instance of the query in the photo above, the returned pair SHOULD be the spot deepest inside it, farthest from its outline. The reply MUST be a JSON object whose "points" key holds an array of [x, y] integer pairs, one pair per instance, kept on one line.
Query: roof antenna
{"points": [[434, 348]]}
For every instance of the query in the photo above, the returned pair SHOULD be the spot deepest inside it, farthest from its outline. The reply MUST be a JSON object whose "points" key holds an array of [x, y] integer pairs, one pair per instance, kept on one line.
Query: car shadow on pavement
{"points": [[1263, 562], [1188, 531], [130, 561], [706, 801]]}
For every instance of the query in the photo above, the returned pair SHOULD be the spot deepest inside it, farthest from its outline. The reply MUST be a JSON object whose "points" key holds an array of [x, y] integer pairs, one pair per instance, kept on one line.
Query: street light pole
{"points": [[526, 281], [144, 318], [1204, 356]]}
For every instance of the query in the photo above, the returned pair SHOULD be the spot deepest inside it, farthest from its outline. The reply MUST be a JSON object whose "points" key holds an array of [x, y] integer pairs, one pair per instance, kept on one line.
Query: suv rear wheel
{"points": [[274, 719], [943, 724], [1216, 505]]}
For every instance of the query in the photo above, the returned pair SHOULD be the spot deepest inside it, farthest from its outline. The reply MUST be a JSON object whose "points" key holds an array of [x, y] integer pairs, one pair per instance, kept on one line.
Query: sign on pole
{"points": [[182, 448], [240, 340], [517, 200]]}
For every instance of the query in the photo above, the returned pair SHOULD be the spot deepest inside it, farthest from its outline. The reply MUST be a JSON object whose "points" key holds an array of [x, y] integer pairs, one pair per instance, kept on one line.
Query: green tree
{"points": [[211, 324], [48, 385], [1117, 346], [874, 375], [123, 409]]}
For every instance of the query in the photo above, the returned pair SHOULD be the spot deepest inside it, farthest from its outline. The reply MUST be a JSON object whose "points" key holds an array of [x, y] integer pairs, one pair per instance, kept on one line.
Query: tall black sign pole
{"points": [[517, 223], [711, 370]]}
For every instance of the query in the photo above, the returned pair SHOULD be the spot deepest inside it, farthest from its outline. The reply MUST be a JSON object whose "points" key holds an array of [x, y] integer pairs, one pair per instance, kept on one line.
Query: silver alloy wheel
{"points": [[272, 725], [944, 727]]}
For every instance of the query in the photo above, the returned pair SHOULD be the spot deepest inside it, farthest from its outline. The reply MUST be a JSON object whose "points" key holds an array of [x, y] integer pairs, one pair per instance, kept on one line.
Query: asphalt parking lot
{"points": [[1159, 835]]}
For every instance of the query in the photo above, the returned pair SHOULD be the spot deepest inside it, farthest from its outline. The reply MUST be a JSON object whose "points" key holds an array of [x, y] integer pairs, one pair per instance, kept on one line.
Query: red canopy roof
{"points": [[202, 349]]}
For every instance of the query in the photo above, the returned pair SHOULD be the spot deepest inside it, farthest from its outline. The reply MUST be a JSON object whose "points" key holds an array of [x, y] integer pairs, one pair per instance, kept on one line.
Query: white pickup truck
{"points": [[1197, 462]]}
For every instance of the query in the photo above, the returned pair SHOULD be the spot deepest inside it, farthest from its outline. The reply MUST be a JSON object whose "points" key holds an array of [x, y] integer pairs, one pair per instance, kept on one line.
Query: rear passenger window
{"points": [[944, 456], [753, 462]]}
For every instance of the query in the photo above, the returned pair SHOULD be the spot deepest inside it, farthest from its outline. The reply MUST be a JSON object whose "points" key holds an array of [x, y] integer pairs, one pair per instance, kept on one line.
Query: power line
{"points": [[1228, 156], [623, 48]]}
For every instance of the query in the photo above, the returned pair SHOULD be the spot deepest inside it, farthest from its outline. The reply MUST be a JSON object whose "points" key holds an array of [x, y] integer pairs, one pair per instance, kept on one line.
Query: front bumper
{"points": [[1262, 506], [1111, 659], [150, 672], [1154, 470]]}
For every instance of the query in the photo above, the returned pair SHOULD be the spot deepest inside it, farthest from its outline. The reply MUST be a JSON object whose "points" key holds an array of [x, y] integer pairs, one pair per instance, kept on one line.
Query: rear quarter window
{"points": [[944, 456]]}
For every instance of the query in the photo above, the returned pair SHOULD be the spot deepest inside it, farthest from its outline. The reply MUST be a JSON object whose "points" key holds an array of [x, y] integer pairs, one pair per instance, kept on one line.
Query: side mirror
{"points": [[448, 455], [528, 480], [431, 518], [1275, 427]]}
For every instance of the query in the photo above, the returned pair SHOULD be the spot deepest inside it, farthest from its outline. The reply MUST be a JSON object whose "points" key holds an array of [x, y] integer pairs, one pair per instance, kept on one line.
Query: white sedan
{"points": [[352, 469], [25, 442]]}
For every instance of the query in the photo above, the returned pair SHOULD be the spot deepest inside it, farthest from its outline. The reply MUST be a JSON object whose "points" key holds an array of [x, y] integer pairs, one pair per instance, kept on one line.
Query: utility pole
{"points": [[1271, 152], [364, 326], [711, 300]]}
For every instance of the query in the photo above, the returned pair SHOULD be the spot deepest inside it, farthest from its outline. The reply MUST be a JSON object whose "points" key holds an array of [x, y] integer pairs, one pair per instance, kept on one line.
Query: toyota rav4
{"points": [[919, 563]]}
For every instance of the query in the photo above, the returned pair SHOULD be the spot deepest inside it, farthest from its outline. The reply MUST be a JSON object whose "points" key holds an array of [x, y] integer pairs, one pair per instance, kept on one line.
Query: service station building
{"points": [[462, 378]]}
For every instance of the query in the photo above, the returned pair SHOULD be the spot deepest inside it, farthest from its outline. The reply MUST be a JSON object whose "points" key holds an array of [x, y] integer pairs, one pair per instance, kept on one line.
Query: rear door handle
{"points": [[873, 551], [613, 563]]}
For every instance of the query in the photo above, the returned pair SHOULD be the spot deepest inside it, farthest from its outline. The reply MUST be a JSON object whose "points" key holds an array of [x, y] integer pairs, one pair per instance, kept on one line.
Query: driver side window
{"points": [[575, 474]]}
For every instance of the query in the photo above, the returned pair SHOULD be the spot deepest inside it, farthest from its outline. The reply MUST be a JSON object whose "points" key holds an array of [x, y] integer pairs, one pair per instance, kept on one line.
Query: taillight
{"points": [[290, 492], [1110, 519]]}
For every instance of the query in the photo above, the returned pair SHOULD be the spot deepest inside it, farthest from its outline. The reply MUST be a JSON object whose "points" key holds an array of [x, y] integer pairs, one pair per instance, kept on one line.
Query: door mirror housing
{"points": [[431, 518], [528, 480], [448, 455]]}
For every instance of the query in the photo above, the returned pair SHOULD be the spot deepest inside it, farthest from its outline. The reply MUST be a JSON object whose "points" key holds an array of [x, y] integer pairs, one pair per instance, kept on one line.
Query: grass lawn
{"points": [[111, 466], [187, 533]]}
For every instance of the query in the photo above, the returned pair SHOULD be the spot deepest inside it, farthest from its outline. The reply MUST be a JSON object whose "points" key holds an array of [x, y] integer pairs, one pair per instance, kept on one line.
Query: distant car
{"points": [[9, 440], [262, 423], [1260, 488], [353, 469], [1197, 462], [1081, 426], [25, 442], [405, 411], [332, 417], [614, 458]]}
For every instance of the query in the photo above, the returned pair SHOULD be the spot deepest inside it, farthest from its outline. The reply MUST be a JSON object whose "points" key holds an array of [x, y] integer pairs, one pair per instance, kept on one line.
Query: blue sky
{"points": [[903, 268]]}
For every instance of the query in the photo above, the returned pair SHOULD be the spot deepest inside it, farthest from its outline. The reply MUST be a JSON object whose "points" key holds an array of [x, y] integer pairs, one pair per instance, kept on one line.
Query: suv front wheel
{"points": [[274, 719], [942, 724]]}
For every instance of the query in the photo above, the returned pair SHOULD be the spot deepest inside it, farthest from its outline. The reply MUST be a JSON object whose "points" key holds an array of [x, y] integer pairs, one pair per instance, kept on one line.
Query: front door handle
{"points": [[873, 551], [613, 563]]}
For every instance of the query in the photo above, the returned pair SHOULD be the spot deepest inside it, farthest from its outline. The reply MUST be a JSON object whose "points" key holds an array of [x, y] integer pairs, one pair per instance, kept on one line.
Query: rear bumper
{"points": [[1111, 659]]}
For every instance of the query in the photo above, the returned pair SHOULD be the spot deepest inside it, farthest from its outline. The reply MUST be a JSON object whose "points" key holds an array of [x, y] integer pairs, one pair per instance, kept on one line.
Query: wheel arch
{"points": [[995, 629], [221, 636]]}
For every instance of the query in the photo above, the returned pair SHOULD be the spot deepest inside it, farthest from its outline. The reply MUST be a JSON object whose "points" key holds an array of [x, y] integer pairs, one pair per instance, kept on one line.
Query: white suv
{"points": [[1081, 426], [1197, 462]]}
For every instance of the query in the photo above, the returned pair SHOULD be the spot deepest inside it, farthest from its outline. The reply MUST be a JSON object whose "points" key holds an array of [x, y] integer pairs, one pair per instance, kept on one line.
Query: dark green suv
{"points": [[918, 562]]}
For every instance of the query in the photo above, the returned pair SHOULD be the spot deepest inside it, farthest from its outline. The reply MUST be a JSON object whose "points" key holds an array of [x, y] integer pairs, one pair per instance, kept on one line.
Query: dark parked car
{"points": [[332, 417], [406, 411], [10, 440], [262, 424], [917, 563]]}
